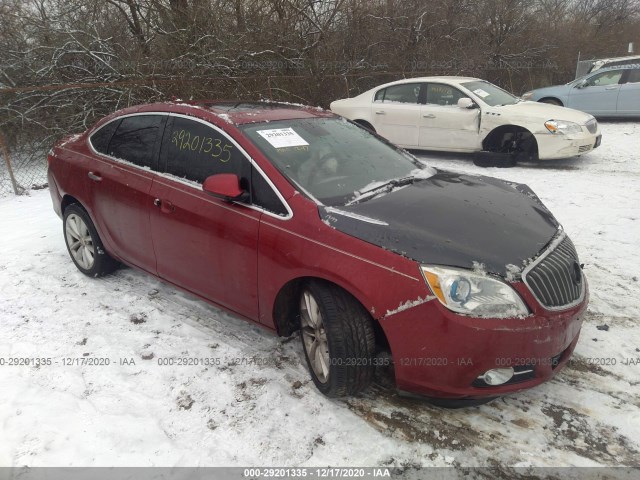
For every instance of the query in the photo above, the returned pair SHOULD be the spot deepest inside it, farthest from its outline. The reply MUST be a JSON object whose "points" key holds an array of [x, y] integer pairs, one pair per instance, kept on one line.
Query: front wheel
{"points": [[84, 244], [551, 101], [337, 338]]}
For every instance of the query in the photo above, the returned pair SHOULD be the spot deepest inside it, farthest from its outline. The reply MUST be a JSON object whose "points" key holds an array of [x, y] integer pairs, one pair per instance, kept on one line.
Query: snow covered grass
{"points": [[250, 400]]}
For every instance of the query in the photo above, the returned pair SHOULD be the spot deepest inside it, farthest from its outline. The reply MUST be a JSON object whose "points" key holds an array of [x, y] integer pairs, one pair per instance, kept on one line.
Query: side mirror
{"points": [[582, 84], [466, 102], [224, 185]]}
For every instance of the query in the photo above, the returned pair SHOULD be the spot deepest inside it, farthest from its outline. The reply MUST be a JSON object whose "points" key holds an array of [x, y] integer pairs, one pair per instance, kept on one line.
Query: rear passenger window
{"points": [[634, 76], [135, 139], [402, 93], [100, 139], [195, 151]]}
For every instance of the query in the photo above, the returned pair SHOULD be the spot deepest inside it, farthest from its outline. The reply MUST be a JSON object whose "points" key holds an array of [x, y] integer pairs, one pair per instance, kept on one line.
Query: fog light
{"points": [[497, 376]]}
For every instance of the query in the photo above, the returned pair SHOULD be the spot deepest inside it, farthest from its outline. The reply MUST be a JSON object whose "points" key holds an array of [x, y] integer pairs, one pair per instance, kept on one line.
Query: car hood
{"points": [[553, 90], [452, 219], [543, 111]]}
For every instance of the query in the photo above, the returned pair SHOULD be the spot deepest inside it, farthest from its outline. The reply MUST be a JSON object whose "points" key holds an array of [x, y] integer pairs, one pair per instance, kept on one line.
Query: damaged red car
{"points": [[298, 220]]}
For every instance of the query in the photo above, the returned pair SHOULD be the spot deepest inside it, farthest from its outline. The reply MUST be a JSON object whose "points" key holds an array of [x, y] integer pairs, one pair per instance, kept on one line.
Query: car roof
{"points": [[628, 66], [233, 111], [602, 62], [435, 78]]}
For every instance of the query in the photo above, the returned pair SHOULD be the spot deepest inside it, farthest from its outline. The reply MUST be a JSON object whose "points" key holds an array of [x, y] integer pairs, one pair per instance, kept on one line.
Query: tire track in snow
{"points": [[474, 434]]}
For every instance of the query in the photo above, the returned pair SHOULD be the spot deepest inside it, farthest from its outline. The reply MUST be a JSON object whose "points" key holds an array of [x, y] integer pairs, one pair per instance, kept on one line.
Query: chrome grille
{"points": [[592, 125], [555, 278]]}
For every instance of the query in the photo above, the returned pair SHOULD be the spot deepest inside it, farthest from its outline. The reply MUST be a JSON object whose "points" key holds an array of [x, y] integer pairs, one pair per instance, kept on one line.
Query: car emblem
{"points": [[576, 274]]}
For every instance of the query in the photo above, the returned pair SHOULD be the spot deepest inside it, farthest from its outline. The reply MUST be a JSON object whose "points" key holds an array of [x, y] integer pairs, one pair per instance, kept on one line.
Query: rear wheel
{"points": [[337, 338], [84, 244]]}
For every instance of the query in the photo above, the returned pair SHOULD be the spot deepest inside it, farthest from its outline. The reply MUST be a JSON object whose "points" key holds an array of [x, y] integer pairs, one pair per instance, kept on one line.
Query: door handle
{"points": [[94, 176], [167, 207], [381, 112], [612, 87], [428, 115]]}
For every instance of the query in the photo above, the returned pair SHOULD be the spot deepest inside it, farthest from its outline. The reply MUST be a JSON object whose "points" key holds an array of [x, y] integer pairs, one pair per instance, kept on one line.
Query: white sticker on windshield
{"points": [[481, 93], [283, 137]]}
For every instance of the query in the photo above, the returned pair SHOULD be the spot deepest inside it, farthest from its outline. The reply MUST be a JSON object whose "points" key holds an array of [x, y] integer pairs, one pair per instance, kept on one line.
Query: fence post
{"points": [[5, 154]]}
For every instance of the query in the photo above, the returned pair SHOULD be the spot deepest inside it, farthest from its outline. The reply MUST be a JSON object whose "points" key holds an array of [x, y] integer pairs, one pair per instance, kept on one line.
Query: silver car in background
{"points": [[607, 92]]}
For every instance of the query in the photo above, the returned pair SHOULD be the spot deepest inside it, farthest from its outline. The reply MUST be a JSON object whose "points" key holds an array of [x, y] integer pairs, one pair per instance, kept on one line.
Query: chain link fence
{"points": [[24, 166], [23, 171]]}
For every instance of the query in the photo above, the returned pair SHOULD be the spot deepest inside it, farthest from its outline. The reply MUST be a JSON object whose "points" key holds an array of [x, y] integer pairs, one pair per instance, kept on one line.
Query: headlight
{"points": [[472, 293], [562, 126], [527, 96]]}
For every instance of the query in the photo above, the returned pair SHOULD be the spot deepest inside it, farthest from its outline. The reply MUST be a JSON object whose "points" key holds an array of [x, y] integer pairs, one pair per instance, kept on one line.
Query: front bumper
{"points": [[555, 146], [438, 353]]}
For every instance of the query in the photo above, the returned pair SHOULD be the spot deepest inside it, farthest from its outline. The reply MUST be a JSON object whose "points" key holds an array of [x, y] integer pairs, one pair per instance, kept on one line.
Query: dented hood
{"points": [[452, 219], [529, 111]]}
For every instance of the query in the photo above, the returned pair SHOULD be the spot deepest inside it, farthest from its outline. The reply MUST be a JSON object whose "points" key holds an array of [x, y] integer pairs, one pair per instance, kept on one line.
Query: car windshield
{"points": [[490, 94], [332, 159]]}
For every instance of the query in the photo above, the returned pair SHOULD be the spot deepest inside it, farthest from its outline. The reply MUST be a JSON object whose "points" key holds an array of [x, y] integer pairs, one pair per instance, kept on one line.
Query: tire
{"points": [[83, 243], [344, 339], [551, 101], [493, 159]]}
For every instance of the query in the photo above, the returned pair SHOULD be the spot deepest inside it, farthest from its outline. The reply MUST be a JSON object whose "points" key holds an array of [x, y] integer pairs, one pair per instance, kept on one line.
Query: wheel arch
{"points": [[493, 139], [69, 200], [554, 99], [365, 124], [285, 311]]}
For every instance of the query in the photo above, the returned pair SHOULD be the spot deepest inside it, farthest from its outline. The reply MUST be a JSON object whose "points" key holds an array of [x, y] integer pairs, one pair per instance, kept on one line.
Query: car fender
{"points": [[560, 93], [351, 110], [492, 120], [379, 279]]}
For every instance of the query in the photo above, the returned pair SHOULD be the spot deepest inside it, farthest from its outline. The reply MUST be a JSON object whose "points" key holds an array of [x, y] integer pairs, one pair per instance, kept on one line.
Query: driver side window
{"points": [[604, 78], [440, 94], [194, 151]]}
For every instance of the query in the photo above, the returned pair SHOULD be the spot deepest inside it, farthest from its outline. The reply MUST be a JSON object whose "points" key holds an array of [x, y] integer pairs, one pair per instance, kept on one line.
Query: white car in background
{"points": [[462, 114]]}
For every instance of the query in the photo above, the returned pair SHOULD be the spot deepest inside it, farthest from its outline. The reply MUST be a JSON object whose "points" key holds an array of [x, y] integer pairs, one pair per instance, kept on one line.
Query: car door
{"points": [[444, 125], [395, 113], [598, 95], [629, 96], [126, 155], [202, 243]]}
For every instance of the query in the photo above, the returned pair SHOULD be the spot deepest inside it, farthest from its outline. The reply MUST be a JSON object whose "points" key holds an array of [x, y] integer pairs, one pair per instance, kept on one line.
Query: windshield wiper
{"points": [[385, 187]]}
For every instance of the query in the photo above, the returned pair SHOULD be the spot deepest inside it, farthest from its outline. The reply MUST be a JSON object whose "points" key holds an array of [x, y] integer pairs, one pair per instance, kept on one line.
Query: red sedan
{"points": [[297, 219]]}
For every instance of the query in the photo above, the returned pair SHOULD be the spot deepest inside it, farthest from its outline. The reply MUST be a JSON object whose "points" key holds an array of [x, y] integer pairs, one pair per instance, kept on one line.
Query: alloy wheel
{"points": [[80, 241], [314, 336]]}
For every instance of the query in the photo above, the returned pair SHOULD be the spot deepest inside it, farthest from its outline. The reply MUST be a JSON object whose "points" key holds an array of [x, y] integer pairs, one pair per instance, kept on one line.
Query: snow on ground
{"points": [[253, 404]]}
